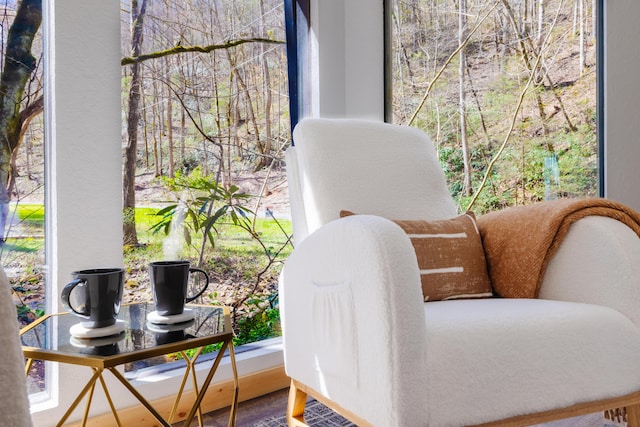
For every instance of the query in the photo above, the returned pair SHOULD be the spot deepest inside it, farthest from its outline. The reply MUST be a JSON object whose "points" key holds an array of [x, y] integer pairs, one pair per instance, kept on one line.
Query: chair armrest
{"points": [[598, 262], [353, 317]]}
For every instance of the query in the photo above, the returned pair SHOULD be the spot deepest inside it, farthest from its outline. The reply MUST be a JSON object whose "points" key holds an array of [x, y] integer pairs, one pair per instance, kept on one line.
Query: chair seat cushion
{"points": [[497, 358]]}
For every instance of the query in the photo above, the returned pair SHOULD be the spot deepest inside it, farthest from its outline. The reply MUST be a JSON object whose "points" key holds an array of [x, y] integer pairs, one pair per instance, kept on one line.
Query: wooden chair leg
{"points": [[295, 406], [633, 415]]}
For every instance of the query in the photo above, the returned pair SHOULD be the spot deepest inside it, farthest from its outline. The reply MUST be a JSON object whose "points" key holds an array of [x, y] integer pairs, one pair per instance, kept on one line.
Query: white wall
{"points": [[84, 156], [622, 101], [347, 59]]}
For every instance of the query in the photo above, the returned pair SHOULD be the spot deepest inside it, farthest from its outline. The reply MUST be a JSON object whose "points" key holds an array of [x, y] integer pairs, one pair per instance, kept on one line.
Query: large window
{"points": [[209, 123], [205, 125], [88, 137], [22, 180], [507, 91]]}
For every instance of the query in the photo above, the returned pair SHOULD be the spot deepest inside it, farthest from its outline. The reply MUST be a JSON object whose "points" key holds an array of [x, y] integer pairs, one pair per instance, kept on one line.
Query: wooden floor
{"points": [[252, 411], [275, 404]]}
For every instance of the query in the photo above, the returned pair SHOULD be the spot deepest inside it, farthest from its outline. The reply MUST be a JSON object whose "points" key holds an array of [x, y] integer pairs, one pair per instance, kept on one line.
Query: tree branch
{"points": [[447, 62], [202, 49], [514, 116]]}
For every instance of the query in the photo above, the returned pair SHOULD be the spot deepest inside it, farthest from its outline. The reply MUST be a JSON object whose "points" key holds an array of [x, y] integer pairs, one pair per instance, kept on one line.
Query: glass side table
{"points": [[49, 339]]}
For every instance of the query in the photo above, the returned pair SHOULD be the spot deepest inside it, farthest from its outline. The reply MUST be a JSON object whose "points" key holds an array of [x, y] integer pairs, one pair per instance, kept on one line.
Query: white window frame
{"points": [[83, 160], [621, 101]]}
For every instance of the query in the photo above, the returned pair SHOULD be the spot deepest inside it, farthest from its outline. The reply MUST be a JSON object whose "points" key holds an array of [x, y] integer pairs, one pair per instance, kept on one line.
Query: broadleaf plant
{"points": [[202, 207]]}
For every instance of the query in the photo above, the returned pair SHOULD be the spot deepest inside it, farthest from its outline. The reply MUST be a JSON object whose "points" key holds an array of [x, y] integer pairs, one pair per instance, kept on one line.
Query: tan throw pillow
{"points": [[450, 257]]}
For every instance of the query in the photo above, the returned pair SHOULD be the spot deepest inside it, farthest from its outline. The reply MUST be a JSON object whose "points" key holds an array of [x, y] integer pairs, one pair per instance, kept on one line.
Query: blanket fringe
{"points": [[618, 415]]}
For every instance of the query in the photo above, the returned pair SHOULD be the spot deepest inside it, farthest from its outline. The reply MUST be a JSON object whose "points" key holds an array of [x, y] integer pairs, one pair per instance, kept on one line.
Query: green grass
{"points": [[27, 223], [145, 219], [29, 213], [27, 245], [231, 239]]}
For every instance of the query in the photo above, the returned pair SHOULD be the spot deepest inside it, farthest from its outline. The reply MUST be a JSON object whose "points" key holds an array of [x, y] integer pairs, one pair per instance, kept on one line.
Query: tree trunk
{"points": [[581, 38], [541, 72], [540, 21], [19, 64], [225, 155], [171, 162], [594, 18], [242, 89], [267, 91], [156, 132], [128, 181], [145, 132], [462, 35]]}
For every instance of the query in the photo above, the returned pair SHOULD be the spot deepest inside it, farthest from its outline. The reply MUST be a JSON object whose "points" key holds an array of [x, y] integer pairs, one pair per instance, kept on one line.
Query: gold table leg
{"points": [[89, 389], [236, 387], [27, 367], [181, 389], [87, 405], [82, 393], [190, 370], [140, 397], [114, 411], [207, 381]]}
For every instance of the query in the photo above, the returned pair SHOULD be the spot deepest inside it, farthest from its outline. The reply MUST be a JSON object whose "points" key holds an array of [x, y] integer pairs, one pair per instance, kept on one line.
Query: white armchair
{"points": [[359, 338]]}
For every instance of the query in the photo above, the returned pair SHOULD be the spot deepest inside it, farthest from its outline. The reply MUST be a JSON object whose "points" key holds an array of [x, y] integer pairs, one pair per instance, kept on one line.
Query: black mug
{"points": [[170, 280], [97, 295]]}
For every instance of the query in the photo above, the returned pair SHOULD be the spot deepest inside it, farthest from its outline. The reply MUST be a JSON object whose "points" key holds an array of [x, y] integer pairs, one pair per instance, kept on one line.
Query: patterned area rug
{"points": [[318, 415], [315, 414]]}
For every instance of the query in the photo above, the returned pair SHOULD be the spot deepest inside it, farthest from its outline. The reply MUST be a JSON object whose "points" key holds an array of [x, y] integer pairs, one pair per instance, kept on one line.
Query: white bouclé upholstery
{"points": [[347, 255], [13, 385], [598, 264], [398, 172], [354, 324], [498, 358]]}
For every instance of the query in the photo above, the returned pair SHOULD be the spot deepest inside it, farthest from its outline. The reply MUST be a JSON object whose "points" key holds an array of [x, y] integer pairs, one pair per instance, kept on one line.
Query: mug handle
{"points": [[204, 288], [66, 294]]}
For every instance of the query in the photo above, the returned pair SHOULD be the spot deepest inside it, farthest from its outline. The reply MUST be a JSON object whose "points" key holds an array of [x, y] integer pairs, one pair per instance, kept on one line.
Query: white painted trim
{"points": [[84, 158], [622, 101], [347, 59]]}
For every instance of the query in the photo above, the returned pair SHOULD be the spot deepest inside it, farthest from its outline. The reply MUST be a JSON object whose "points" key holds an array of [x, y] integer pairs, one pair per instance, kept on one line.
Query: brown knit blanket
{"points": [[520, 241]]}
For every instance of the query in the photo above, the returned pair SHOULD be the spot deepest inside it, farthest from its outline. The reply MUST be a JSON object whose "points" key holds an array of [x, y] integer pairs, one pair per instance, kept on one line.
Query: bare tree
{"points": [[17, 107], [267, 90], [170, 160], [581, 38], [540, 21], [462, 36], [133, 116]]}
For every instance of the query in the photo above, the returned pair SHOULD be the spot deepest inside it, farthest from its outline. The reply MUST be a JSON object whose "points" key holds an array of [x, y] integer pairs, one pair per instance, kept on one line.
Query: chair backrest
{"points": [[366, 167]]}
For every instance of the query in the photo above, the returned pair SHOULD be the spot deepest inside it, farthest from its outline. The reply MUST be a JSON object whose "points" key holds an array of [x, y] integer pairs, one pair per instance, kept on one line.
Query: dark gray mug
{"points": [[95, 295], [170, 280]]}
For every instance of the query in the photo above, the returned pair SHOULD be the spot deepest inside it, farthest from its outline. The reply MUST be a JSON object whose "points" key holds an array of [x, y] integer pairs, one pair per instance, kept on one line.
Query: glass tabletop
{"points": [[50, 338]]}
